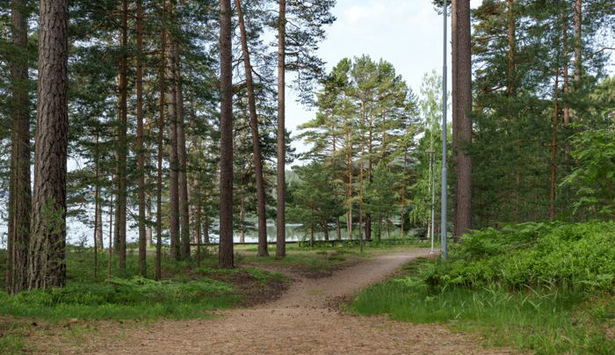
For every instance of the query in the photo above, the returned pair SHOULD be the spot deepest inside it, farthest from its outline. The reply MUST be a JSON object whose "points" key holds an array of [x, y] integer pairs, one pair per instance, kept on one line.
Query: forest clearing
{"points": [[274, 176]]}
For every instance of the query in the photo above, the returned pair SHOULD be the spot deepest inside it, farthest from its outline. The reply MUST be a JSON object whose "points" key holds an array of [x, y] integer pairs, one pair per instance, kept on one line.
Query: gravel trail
{"points": [[302, 321]]}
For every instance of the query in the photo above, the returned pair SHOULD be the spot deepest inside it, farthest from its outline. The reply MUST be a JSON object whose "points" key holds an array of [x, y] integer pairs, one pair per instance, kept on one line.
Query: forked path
{"points": [[300, 322]]}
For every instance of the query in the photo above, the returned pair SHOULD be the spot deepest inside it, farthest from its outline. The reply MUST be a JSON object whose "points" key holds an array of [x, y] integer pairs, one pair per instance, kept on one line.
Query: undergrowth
{"points": [[542, 287]]}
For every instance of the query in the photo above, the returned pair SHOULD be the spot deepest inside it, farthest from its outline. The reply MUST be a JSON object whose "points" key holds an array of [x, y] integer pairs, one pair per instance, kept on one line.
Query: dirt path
{"points": [[300, 322]]}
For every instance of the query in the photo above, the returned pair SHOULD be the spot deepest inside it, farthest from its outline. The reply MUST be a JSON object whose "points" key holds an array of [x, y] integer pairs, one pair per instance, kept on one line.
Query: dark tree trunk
{"points": [[184, 217], [554, 126], [19, 186], [47, 262], [97, 209], [160, 152], [325, 229], [140, 146], [122, 145], [225, 255], [256, 145], [173, 156], [110, 236], [281, 185], [462, 117], [511, 87]]}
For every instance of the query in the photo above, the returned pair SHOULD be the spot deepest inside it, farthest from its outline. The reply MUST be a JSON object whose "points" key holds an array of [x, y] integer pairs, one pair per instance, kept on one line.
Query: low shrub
{"points": [[571, 256]]}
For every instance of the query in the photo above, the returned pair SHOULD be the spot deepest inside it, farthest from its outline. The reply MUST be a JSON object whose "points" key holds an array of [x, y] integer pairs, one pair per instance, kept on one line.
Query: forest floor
{"points": [[306, 319]]}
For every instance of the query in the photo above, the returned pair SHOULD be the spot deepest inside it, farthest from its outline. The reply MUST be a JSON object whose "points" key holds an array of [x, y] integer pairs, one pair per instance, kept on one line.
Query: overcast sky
{"points": [[407, 33]]}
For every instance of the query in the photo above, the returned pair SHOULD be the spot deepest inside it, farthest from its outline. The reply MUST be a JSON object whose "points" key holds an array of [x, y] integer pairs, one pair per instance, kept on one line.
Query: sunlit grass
{"points": [[546, 321]]}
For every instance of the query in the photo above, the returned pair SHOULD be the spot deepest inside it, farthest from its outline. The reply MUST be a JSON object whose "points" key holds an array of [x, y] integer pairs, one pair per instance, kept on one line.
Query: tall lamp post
{"points": [[443, 250]]}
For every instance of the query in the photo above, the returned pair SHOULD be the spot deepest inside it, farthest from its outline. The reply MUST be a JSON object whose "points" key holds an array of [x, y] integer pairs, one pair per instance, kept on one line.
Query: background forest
{"points": [[144, 128]]}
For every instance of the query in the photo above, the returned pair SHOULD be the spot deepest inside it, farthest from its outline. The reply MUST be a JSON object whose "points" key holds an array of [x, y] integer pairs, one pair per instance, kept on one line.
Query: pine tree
{"points": [[46, 262]]}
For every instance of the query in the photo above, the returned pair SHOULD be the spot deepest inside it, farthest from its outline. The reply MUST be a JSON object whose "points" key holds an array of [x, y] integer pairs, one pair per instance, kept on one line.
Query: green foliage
{"points": [[552, 321], [571, 256], [595, 173], [121, 298], [314, 204]]}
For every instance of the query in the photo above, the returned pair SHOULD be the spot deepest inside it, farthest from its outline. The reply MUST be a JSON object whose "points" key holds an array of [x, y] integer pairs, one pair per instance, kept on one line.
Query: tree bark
{"points": [[140, 146], [566, 89], [256, 145], [161, 118], [511, 87], [122, 145], [225, 255], [281, 186], [462, 117], [47, 261], [555, 123], [19, 186], [97, 211], [173, 156], [578, 43], [184, 216]]}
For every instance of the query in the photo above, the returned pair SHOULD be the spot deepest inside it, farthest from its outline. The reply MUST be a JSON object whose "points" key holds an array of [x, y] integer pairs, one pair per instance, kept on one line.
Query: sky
{"points": [[406, 33]]}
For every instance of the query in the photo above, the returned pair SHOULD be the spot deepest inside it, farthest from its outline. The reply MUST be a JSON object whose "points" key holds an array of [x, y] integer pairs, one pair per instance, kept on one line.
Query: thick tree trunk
{"points": [[281, 186], [122, 145], [47, 261], [225, 255], [173, 156], [463, 91], [160, 152], [256, 145], [19, 186], [140, 146], [184, 216]]}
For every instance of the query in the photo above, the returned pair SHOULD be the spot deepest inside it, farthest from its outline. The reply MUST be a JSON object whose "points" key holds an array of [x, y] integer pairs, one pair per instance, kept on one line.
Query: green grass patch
{"points": [[540, 287], [116, 298]]}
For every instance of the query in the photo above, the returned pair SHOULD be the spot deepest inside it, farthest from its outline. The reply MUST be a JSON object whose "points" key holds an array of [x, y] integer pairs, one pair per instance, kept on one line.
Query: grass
{"points": [[187, 290], [545, 321]]}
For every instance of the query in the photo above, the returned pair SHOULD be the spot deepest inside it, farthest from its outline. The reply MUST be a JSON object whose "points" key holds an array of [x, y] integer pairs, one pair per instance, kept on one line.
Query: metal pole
{"points": [[444, 98]]}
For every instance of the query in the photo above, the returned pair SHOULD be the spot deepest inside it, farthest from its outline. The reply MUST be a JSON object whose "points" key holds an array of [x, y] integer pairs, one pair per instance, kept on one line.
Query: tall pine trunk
{"points": [[578, 43], [122, 144], [19, 186], [182, 177], [161, 118], [256, 145], [462, 117], [47, 261], [140, 146], [281, 183], [225, 255], [171, 99]]}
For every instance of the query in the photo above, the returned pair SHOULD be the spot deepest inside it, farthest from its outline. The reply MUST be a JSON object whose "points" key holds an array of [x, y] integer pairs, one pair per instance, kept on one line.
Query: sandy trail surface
{"points": [[302, 321]]}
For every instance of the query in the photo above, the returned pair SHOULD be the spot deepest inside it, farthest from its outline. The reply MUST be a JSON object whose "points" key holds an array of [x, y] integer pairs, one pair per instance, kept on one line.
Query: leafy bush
{"points": [[573, 256]]}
